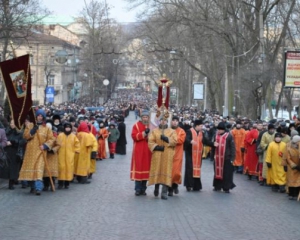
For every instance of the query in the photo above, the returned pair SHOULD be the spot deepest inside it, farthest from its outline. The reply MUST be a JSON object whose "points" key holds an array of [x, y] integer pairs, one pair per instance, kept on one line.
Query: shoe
{"points": [[46, 189], [164, 197], [175, 188], [59, 187], [11, 187], [170, 194], [66, 187], [143, 193], [38, 193], [226, 191], [32, 190], [249, 177], [24, 186], [86, 182], [262, 183], [137, 193], [216, 189], [164, 192], [156, 190], [188, 189]]}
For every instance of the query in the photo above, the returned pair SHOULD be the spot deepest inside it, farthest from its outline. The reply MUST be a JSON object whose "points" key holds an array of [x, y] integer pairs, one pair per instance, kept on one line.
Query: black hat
{"points": [[283, 124], [56, 116], [72, 119], [271, 126], [284, 130], [278, 135], [67, 124], [175, 118], [49, 121], [197, 122], [221, 126]]}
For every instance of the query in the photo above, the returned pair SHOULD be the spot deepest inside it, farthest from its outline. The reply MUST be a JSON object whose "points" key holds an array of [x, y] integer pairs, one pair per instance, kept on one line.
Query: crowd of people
{"points": [[67, 140]]}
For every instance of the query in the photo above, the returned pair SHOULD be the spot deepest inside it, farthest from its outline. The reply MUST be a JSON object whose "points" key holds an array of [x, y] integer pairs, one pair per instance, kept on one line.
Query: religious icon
{"points": [[20, 82]]}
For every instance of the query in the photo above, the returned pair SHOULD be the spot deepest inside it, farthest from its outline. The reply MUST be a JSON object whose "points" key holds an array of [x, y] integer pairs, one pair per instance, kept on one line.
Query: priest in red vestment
{"points": [[224, 159], [141, 154]]}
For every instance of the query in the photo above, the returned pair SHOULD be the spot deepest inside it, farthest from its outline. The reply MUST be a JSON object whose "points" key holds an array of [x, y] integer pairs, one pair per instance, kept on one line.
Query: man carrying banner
{"points": [[39, 139]]}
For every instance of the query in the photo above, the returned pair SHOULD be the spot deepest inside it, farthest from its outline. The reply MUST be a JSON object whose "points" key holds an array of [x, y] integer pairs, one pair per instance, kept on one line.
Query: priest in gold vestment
{"points": [[39, 139], [162, 142]]}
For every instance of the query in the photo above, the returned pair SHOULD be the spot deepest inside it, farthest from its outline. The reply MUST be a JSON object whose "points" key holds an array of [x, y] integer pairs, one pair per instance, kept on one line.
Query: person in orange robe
{"points": [[177, 160], [102, 136], [251, 158], [239, 135]]}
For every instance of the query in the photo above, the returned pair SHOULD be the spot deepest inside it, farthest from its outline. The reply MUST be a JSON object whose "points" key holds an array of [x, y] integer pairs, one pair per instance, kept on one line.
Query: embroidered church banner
{"points": [[17, 80]]}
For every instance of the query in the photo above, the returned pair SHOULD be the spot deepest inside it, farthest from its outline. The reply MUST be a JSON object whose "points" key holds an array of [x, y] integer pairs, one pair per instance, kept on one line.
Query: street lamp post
{"points": [[105, 83], [205, 92]]}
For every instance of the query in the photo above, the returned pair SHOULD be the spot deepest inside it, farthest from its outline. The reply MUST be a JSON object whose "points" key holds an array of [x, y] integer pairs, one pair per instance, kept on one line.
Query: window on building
{"points": [[51, 80]]}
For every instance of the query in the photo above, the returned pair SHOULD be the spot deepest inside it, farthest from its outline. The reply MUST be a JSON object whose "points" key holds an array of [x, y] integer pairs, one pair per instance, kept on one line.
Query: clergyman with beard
{"points": [[141, 155]]}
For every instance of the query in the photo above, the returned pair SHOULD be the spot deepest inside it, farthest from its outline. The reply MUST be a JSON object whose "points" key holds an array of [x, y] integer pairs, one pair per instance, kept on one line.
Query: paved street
{"points": [[108, 209]]}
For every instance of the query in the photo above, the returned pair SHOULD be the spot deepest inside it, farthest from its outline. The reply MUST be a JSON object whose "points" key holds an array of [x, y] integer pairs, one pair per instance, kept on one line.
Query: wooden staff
{"points": [[46, 164]]}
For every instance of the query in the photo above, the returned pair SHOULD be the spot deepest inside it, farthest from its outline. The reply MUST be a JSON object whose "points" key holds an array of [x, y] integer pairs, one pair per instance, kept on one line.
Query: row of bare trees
{"points": [[237, 45], [17, 20]]}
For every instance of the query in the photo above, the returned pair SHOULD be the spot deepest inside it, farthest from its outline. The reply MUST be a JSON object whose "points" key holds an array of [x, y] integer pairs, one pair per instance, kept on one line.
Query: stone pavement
{"points": [[108, 209]]}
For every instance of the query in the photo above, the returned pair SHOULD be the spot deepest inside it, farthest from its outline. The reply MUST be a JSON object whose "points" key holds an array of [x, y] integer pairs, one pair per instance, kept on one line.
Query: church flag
{"points": [[16, 77]]}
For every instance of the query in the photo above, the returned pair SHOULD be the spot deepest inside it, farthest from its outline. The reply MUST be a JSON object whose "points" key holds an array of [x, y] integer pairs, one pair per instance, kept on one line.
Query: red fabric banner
{"points": [[16, 76]]}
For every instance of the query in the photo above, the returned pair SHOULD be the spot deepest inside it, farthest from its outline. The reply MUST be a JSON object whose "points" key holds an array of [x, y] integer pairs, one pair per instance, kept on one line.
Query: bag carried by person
{"points": [[20, 153], [259, 150], [3, 158]]}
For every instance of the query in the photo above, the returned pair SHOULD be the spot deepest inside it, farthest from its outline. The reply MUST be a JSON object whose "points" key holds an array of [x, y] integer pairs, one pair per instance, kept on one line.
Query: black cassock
{"points": [[189, 180], [227, 182], [121, 143], [14, 162]]}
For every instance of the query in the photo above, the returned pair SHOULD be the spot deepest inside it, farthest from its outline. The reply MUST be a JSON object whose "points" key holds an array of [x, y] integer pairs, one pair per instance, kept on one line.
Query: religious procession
{"points": [[63, 144]]}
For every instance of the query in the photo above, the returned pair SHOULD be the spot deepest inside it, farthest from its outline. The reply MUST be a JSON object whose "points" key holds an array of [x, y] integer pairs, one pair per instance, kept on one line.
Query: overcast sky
{"points": [[73, 7]]}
